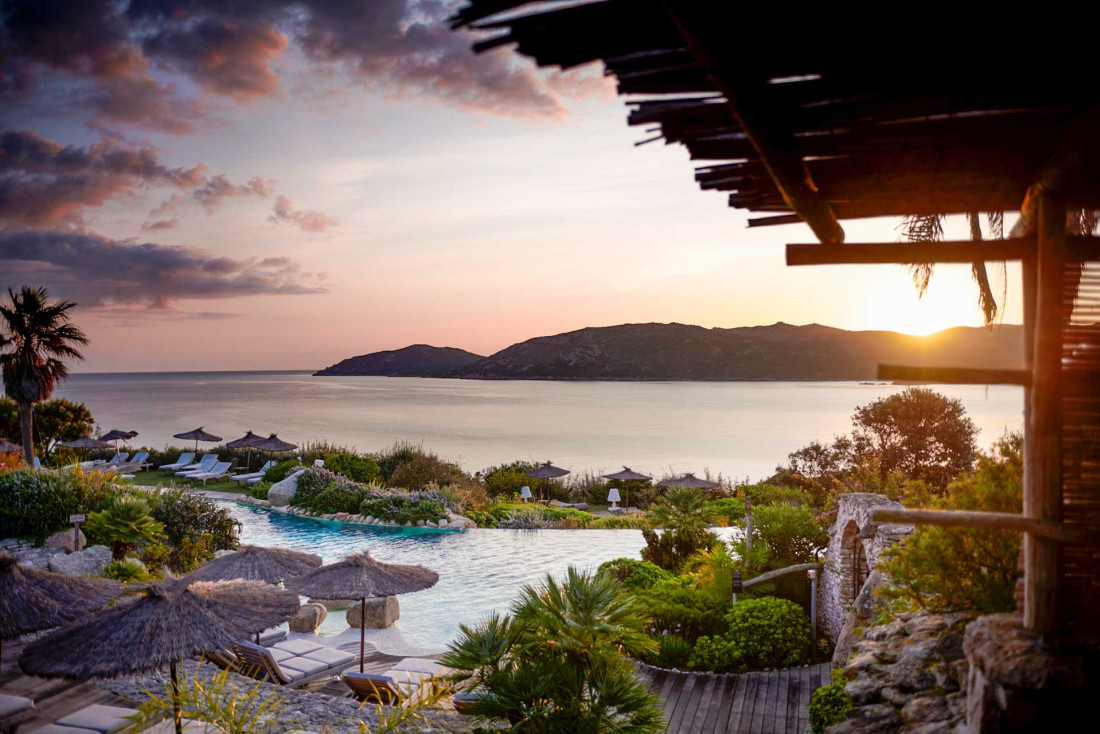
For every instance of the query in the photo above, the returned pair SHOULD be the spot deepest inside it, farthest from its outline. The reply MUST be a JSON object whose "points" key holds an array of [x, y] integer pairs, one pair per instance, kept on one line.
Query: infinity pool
{"points": [[479, 570]]}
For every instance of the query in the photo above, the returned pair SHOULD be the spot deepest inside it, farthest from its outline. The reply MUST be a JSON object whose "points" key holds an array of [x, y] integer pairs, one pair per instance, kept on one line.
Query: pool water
{"points": [[479, 570]]}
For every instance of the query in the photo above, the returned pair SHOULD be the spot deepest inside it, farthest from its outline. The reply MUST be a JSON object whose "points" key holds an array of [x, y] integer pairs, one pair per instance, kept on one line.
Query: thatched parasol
{"points": [[116, 436], [689, 480], [274, 443], [627, 475], [84, 443], [165, 622], [358, 577], [249, 441], [257, 563], [7, 447], [197, 435], [547, 472], [32, 600]]}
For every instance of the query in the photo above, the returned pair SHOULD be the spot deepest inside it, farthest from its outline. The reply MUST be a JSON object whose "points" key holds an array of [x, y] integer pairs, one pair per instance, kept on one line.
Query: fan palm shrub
{"points": [[36, 338], [557, 663], [124, 521]]}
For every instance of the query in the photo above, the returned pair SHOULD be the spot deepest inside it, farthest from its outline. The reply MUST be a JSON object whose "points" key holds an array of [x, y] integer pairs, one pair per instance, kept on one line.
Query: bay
{"points": [[739, 429]]}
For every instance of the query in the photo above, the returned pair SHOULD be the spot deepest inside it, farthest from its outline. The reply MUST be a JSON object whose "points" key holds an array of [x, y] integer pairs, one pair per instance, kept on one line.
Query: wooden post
{"points": [[1044, 317], [748, 530]]}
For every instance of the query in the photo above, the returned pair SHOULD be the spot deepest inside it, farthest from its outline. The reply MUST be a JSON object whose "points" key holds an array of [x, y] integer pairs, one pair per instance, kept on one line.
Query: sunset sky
{"points": [[266, 185]]}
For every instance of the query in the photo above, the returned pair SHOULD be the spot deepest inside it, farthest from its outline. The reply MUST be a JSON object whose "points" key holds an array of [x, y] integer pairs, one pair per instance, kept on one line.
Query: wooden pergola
{"points": [[810, 117]]}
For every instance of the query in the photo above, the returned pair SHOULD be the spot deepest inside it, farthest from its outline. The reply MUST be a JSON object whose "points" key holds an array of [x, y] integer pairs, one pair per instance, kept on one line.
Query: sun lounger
{"points": [[94, 719], [119, 458], [205, 464], [294, 663], [14, 709], [402, 681], [184, 459], [217, 472], [37, 463], [135, 464], [257, 475]]}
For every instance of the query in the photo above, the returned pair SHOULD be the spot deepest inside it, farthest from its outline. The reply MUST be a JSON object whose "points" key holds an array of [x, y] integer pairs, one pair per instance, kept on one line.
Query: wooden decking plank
{"points": [[734, 698], [760, 705], [655, 680], [779, 712], [794, 689], [718, 704], [676, 718], [806, 689], [697, 714], [743, 714], [672, 698]]}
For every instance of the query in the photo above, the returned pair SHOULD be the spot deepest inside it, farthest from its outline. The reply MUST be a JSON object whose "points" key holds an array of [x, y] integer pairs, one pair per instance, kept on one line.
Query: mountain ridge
{"points": [[780, 352]]}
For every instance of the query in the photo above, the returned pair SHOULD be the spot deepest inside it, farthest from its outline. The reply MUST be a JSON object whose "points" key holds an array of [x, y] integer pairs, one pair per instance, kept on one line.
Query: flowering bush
{"points": [[37, 504]]}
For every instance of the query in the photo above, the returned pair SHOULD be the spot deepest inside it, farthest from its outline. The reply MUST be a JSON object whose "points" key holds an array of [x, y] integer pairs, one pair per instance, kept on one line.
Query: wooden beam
{"points": [[771, 575], [1078, 249], [953, 375], [990, 520], [1043, 435], [775, 220], [747, 98]]}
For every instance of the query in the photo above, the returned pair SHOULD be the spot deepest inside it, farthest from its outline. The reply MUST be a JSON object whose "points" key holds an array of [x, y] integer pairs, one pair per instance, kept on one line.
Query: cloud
{"points": [[124, 54], [160, 226], [307, 221], [217, 189], [43, 182], [102, 272]]}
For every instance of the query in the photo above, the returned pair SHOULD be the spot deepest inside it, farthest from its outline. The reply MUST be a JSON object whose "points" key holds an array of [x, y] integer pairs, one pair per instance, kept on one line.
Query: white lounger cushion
{"points": [[329, 656], [297, 647], [58, 729], [407, 677], [426, 666], [12, 705], [189, 725], [303, 665], [99, 718], [280, 655]]}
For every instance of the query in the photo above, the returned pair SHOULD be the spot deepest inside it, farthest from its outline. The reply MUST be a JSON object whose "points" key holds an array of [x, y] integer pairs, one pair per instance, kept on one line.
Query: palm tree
{"points": [[36, 337], [683, 510]]}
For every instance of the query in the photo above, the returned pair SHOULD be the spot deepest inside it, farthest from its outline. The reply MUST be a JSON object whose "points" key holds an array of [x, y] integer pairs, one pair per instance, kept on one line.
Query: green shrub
{"points": [[483, 518], [423, 470], [258, 490], [715, 654], [333, 498], [312, 482], [674, 605], [769, 632], [195, 527], [400, 453], [354, 467], [507, 479], [673, 651], [281, 471], [766, 494], [828, 706], [670, 549], [401, 508], [950, 569], [726, 511], [37, 504], [634, 575], [126, 570], [124, 522]]}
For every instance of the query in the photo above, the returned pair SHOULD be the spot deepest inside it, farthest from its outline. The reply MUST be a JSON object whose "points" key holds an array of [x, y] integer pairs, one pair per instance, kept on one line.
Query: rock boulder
{"points": [[375, 614], [281, 493], [64, 541], [309, 618], [87, 562]]}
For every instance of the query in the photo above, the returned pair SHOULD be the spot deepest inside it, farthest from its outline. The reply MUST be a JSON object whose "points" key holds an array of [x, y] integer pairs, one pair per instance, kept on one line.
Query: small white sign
{"points": [[77, 518]]}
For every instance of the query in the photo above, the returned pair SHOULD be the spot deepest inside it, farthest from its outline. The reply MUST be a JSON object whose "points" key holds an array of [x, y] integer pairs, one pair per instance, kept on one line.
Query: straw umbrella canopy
{"points": [[7, 447], [689, 480], [249, 441], [116, 436], [628, 475], [86, 442], [257, 563], [274, 444], [32, 600], [358, 577], [165, 622], [197, 435], [547, 472]]}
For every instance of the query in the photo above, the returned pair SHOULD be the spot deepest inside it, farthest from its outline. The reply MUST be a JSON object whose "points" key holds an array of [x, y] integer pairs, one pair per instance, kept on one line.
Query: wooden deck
{"points": [[772, 702]]}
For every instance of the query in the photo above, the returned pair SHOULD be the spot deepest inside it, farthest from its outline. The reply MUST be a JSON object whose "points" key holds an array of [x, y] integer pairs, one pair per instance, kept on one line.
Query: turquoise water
{"points": [[479, 570]]}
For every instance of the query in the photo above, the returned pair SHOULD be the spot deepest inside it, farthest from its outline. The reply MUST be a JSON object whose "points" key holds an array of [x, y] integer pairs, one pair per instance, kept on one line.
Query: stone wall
{"points": [[855, 545]]}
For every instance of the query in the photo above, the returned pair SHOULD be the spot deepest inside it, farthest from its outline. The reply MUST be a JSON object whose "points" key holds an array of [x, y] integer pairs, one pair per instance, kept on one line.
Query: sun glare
{"points": [[895, 308]]}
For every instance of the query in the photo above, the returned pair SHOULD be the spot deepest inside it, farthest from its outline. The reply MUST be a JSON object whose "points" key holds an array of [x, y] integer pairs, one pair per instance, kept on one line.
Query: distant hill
{"points": [[777, 352], [419, 360]]}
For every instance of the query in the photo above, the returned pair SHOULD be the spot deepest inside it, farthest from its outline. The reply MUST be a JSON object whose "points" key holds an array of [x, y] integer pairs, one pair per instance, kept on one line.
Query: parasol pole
{"points": [[177, 713], [362, 631]]}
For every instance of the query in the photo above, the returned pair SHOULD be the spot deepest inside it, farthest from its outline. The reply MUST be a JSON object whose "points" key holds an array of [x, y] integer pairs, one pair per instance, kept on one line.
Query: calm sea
{"points": [[741, 429]]}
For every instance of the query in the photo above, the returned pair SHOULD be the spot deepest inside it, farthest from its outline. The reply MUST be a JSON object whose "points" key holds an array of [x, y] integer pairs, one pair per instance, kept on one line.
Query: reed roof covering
{"points": [[689, 480], [857, 117], [117, 435], [7, 447], [197, 435], [547, 471], [360, 577], [248, 440], [32, 600], [274, 443], [87, 442], [257, 563], [151, 630]]}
